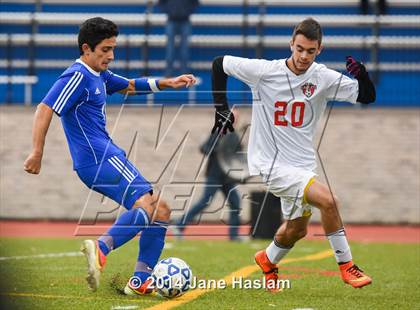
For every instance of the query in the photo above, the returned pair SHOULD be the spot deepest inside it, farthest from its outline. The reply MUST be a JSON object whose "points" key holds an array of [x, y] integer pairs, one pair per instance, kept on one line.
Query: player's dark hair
{"points": [[94, 30], [310, 28]]}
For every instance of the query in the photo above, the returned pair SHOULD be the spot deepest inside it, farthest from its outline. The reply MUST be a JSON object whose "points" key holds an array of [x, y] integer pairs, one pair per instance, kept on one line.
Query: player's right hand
{"points": [[185, 80], [223, 121], [33, 163]]}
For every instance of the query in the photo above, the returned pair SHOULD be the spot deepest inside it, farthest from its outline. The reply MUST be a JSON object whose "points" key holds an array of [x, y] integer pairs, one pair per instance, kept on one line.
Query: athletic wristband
{"points": [[146, 85]]}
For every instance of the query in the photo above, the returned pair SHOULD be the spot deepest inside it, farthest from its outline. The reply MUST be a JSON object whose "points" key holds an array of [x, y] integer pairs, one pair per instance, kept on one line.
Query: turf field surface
{"points": [[49, 274]]}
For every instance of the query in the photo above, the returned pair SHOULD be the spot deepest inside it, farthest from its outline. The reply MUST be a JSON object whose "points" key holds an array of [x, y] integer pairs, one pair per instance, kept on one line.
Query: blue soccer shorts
{"points": [[116, 178]]}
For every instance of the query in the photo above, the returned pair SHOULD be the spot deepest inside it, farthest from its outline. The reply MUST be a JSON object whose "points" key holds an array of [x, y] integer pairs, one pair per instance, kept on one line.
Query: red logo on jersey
{"points": [[308, 89]]}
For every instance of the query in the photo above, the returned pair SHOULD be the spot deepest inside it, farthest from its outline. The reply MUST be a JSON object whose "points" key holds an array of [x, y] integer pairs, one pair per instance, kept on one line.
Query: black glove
{"points": [[355, 68], [223, 121]]}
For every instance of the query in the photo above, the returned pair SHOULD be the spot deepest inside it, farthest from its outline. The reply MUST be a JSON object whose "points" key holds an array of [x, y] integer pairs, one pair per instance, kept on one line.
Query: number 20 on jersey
{"points": [[298, 110]]}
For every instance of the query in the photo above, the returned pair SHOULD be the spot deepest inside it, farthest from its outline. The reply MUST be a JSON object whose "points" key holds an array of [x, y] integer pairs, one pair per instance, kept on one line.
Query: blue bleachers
{"points": [[225, 9], [395, 88]]}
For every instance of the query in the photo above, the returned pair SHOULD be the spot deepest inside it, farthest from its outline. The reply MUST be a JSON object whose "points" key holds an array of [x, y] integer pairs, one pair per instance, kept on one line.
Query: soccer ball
{"points": [[172, 277]]}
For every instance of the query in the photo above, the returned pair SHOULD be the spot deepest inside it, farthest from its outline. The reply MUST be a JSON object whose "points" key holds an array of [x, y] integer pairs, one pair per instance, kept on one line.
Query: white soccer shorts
{"points": [[289, 184]]}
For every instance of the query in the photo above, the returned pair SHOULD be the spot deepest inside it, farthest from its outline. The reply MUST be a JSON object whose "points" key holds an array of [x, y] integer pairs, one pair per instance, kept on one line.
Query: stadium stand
{"points": [[26, 80], [38, 39]]}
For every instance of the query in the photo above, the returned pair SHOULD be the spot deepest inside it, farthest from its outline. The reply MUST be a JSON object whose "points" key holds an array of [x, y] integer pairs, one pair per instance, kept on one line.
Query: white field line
{"points": [[48, 255]]}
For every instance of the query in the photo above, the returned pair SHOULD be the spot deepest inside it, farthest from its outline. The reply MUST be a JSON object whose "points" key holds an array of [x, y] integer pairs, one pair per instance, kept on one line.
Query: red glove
{"points": [[355, 68]]}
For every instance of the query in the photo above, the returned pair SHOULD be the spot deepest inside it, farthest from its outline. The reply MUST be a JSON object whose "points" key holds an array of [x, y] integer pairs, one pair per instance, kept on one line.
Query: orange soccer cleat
{"points": [[270, 271], [135, 287], [353, 275], [95, 262]]}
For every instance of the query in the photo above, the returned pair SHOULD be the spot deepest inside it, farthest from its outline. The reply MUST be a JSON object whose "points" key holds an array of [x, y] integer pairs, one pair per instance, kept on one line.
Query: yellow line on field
{"points": [[46, 296], [243, 272], [189, 296]]}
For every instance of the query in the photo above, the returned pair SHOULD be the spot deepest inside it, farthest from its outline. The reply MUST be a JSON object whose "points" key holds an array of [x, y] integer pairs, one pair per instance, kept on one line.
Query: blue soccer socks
{"points": [[125, 228], [151, 243]]}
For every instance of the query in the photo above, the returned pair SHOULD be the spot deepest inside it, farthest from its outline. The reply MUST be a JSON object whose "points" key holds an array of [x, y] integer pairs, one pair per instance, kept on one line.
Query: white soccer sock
{"points": [[339, 244], [275, 252]]}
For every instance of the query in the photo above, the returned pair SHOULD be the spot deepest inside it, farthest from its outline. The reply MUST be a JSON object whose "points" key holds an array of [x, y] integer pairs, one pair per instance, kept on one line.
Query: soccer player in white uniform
{"points": [[289, 97]]}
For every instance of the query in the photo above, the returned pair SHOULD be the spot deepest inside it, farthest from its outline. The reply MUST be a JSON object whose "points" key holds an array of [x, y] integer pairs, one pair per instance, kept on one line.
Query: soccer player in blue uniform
{"points": [[78, 97]]}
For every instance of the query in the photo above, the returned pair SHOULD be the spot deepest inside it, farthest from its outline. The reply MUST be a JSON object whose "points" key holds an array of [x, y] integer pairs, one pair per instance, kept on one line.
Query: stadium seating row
{"points": [[229, 20], [39, 38]]}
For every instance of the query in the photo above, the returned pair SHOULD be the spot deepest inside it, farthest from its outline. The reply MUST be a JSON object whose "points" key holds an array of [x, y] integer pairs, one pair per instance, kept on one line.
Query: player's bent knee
{"points": [[290, 235], [146, 202], [302, 233], [332, 202], [148, 209], [156, 209], [163, 212], [328, 203], [297, 234]]}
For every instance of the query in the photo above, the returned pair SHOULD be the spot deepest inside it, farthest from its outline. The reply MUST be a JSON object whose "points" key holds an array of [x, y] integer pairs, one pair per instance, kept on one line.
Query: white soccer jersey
{"points": [[286, 109]]}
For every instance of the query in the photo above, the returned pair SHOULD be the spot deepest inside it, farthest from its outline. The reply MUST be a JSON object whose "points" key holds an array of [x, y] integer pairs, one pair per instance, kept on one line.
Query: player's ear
{"points": [[291, 45], [319, 50], [86, 48]]}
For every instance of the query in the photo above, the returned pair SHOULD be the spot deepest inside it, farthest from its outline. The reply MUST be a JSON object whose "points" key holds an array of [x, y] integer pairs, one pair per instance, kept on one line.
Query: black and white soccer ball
{"points": [[172, 277]]}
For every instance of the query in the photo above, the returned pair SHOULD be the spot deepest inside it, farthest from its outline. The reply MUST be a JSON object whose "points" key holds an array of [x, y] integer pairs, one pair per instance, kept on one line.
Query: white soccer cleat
{"points": [[95, 262], [129, 291]]}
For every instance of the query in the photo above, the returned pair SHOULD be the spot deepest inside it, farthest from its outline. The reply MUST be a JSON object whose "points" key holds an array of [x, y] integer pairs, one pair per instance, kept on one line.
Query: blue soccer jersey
{"points": [[79, 98]]}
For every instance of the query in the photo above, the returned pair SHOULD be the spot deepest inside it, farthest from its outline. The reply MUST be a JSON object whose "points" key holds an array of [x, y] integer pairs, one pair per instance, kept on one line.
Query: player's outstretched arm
{"points": [[185, 80], [224, 118], [42, 120], [146, 85], [367, 92]]}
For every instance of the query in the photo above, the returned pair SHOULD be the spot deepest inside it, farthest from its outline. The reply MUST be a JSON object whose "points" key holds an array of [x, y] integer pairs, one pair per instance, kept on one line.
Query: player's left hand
{"points": [[355, 68], [223, 121], [185, 80]]}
